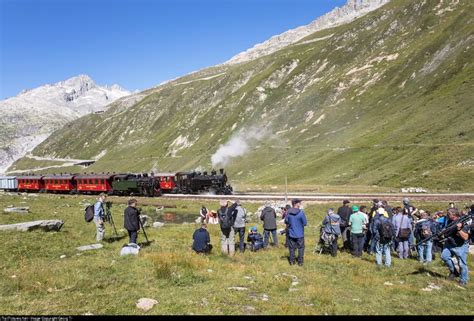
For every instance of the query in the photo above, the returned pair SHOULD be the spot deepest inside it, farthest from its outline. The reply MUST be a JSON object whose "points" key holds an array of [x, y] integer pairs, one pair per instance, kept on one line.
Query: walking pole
{"points": [[143, 229]]}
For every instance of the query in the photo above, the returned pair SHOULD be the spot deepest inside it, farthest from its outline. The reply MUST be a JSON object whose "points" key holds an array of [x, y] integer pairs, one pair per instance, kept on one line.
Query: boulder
{"points": [[45, 225], [130, 249], [158, 224], [16, 210], [146, 304], [89, 247]]}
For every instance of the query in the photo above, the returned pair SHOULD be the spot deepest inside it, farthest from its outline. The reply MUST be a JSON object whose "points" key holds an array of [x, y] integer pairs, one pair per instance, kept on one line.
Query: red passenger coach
{"points": [[94, 183], [60, 183], [30, 183], [167, 181]]}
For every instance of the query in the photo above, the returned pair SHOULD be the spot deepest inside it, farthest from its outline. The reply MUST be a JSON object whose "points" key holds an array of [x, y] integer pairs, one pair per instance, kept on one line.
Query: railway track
{"points": [[456, 197]]}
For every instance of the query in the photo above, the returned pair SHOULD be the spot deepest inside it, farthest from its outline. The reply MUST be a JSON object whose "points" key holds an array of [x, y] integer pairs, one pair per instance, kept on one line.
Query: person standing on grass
{"points": [[99, 217], [296, 221], [344, 213], [131, 220], [268, 217], [382, 234], [457, 244], [239, 225], [356, 222], [331, 227], [403, 229], [202, 240], [425, 228], [226, 216]]}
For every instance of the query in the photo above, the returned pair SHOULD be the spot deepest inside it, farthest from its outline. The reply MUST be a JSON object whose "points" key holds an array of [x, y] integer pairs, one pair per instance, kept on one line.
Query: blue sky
{"points": [[135, 43]]}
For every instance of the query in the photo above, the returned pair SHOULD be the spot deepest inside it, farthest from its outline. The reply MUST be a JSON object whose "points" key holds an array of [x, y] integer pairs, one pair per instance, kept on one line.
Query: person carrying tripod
{"points": [[132, 220]]}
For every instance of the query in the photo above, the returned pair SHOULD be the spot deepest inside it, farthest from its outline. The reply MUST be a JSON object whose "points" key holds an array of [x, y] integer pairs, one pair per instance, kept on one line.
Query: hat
{"points": [[213, 212], [295, 201], [223, 203], [253, 228], [406, 201], [375, 201], [355, 208], [346, 202], [330, 211]]}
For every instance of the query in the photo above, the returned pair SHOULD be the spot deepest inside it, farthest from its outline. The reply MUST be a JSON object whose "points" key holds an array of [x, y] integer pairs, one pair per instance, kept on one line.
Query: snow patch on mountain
{"points": [[352, 10], [30, 117]]}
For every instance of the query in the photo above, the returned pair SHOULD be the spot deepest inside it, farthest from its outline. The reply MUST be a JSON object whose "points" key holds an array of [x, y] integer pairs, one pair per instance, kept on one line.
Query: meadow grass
{"points": [[35, 280]]}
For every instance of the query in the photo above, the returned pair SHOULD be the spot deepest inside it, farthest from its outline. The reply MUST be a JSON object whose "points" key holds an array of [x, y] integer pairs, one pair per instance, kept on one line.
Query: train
{"points": [[121, 184]]}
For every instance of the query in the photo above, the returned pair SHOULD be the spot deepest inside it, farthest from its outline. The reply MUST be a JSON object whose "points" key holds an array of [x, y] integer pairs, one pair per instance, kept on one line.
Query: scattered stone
{"points": [[45, 225], [78, 254], [295, 283], [209, 271], [248, 277], [146, 304], [50, 290], [13, 276], [21, 210], [431, 287], [401, 282], [356, 300], [88, 313], [265, 297], [292, 289], [249, 308], [158, 224], [130, 249], [237, 288], [63, 256], [89, 247], [204, 302], [388, 283], [413, 190]]}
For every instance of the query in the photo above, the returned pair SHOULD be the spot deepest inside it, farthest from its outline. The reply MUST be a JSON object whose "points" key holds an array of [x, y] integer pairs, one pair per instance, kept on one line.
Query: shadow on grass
{"points": [[423, 270], [114, 238], [146, 243]]}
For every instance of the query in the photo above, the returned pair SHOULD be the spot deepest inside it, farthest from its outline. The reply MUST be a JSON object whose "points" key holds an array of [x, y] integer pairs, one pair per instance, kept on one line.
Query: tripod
{"points": [[108, 216]]}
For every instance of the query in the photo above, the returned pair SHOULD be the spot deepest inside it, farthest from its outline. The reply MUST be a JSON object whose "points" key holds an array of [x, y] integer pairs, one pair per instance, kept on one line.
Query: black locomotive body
{"points": [[197, 182]]}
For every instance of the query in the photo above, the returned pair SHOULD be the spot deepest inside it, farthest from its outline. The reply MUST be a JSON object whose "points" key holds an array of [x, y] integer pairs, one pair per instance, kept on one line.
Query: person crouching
{"points": [[202, 240], [132, 220], [255, 239]]}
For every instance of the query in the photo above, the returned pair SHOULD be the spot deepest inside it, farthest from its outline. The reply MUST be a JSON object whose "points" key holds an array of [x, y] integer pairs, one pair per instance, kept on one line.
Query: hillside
{"points": [[30, 117], [384, 100]]}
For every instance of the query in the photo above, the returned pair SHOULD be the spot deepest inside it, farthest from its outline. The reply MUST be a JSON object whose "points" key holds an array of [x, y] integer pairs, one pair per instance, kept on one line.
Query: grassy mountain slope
{"points": [[385, 100]]}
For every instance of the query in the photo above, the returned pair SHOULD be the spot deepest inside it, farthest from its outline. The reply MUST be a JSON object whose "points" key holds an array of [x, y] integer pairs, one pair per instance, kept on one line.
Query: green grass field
{"points": [[35, 280]]}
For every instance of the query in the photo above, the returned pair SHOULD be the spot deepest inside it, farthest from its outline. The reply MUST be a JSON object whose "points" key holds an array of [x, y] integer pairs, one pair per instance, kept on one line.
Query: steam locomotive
{"points": [[193, 182]]}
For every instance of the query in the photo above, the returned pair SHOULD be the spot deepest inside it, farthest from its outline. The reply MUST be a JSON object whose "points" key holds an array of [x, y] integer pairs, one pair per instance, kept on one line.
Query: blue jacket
{"points": [[296, 221], [201, 240], [99, 210]]}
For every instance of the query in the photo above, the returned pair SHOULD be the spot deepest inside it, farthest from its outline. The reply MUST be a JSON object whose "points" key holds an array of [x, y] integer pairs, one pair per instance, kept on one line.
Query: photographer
{"points": [[457, 244], [132, 220], [99, 217]]}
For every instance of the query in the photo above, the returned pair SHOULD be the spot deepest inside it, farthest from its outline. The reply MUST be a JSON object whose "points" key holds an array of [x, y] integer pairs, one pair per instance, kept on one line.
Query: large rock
{"points": [[17, 210], [89, 247], [45, 225]]}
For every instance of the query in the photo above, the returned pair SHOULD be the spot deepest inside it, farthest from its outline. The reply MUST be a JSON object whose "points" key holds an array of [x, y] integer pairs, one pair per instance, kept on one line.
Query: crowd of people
{"points": [[382, 230], [378, 231]]}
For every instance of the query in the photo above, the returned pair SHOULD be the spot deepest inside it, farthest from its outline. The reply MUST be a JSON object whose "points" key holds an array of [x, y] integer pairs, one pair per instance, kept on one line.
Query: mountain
{"points": [[384, 100], [33, 115], [351, 10]]}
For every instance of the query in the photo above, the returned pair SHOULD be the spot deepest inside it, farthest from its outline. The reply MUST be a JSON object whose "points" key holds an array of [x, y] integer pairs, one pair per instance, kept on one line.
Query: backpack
{"points": [[426, 231], [89, 213], [385, 232], [225, 219]]}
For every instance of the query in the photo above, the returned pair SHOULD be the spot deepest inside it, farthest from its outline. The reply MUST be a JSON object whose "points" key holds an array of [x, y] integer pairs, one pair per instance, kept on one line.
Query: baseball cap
{"points": [[253, 228], [355, 208], [346, 202]]}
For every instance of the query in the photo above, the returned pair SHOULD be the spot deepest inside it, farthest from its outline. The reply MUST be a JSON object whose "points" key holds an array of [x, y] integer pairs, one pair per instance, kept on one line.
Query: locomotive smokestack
{"points": [[221, 171]]}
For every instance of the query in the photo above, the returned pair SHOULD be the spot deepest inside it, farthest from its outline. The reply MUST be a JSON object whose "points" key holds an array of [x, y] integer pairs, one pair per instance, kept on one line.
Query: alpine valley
{"points": [[376, 93]]}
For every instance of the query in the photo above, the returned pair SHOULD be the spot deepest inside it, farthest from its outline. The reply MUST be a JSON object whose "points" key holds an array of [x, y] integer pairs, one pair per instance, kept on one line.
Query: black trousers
{"points": [[333, 247], [205, 250], [132, 236], [357, 244], [293, 244]]}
